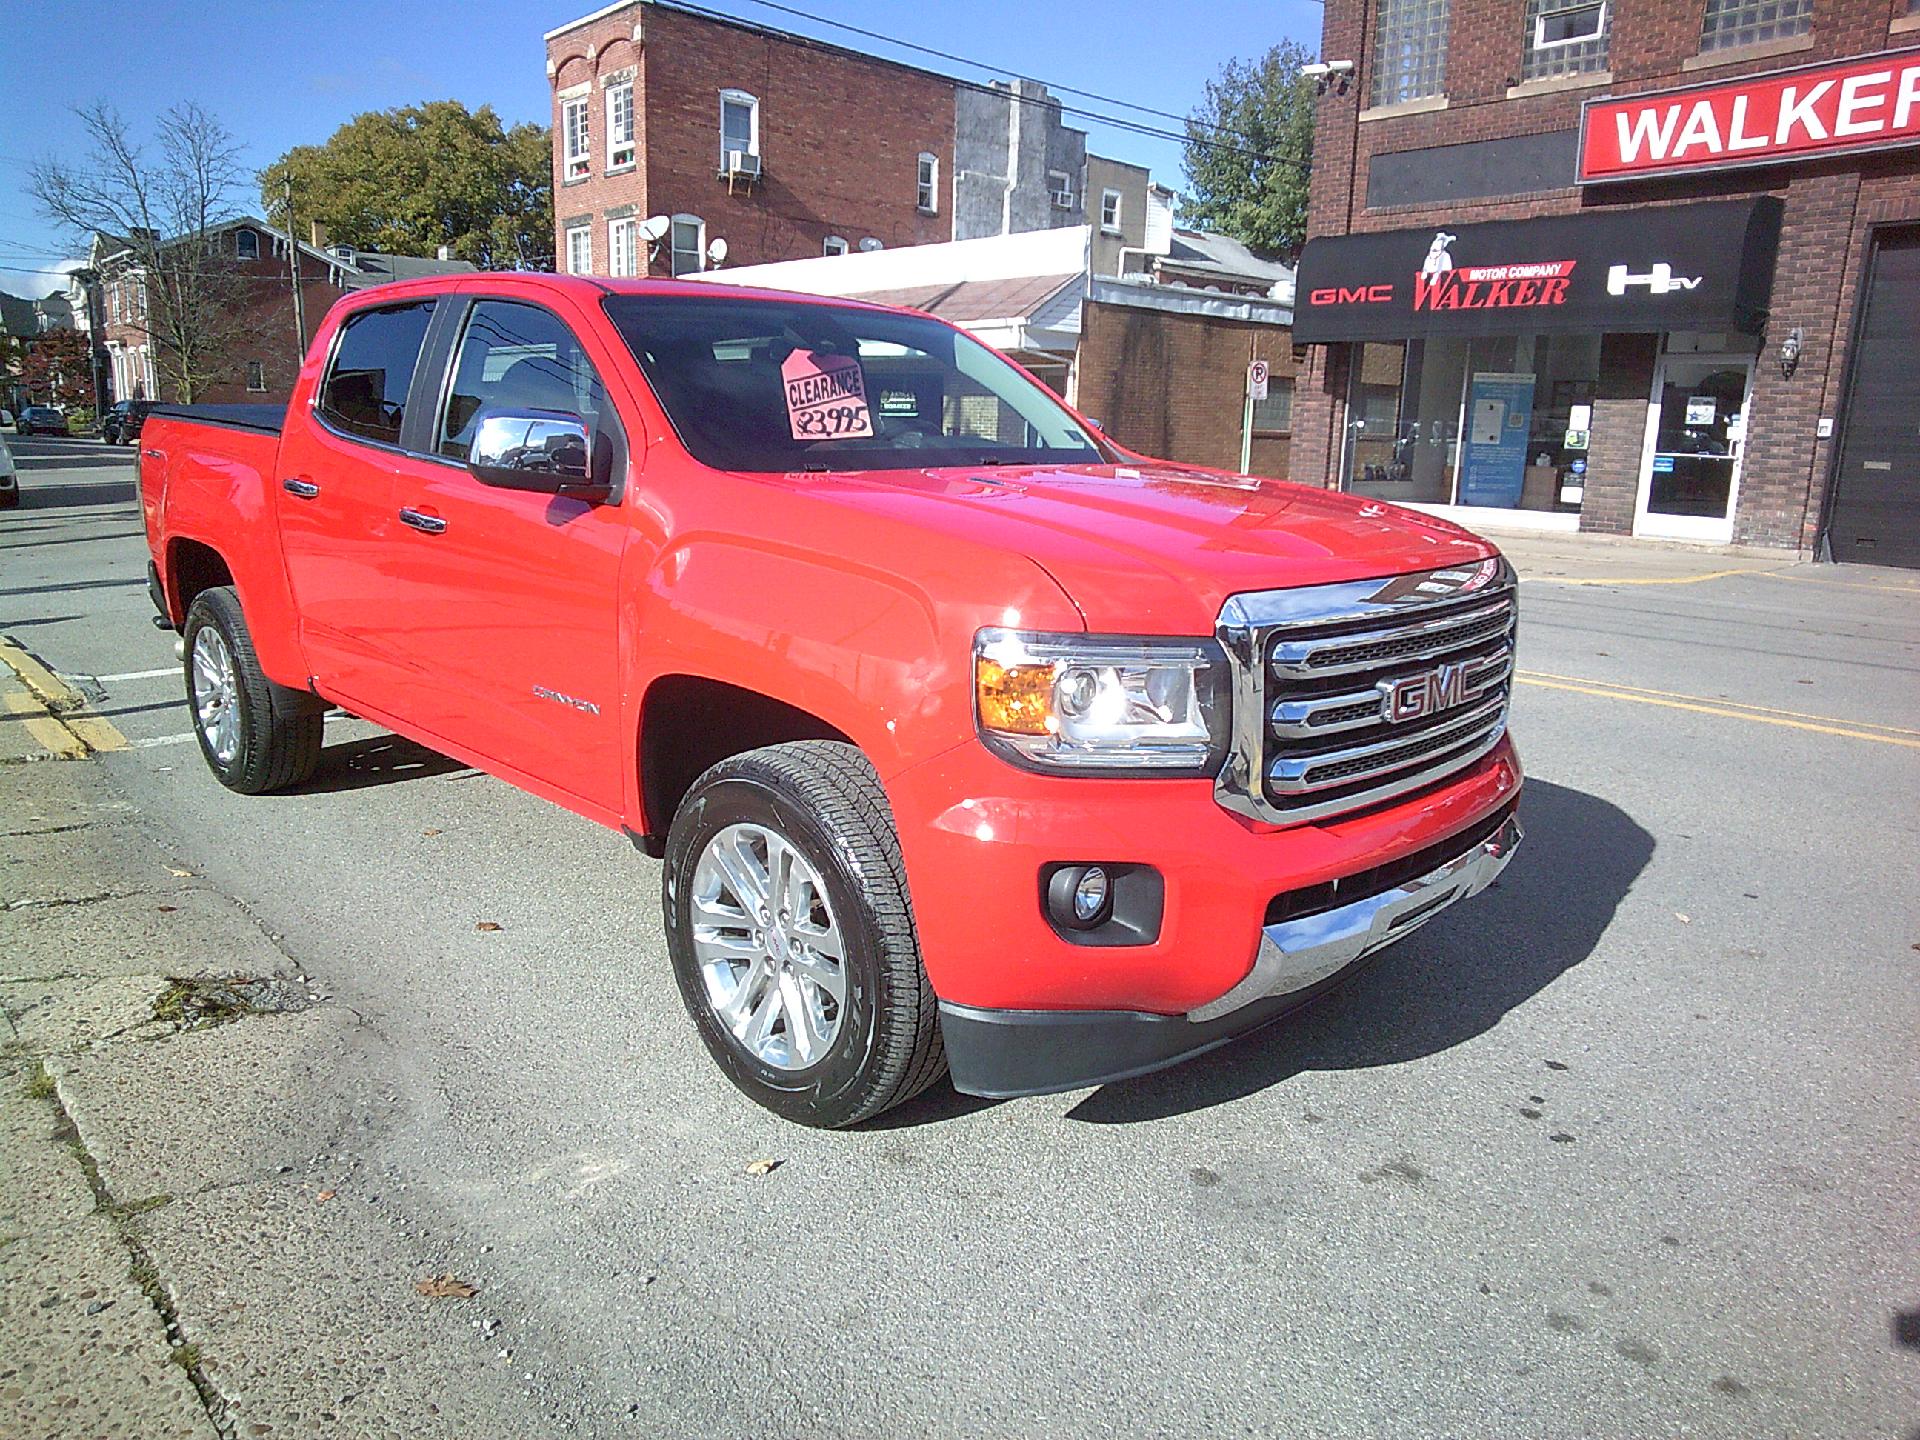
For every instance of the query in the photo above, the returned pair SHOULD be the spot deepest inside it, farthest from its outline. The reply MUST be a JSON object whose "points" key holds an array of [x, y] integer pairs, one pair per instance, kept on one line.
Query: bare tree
{"points": [[155, 207]]}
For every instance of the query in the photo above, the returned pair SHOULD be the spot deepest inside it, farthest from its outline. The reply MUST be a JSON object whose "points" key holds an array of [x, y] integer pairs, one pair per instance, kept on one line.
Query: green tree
{"points": [[1250, 148], [409, 180]]}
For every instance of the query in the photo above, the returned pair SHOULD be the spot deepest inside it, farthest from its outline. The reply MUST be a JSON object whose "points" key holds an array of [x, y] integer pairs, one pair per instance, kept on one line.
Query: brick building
{"points": [[1647, 269], [256, 349], [675, 128]]}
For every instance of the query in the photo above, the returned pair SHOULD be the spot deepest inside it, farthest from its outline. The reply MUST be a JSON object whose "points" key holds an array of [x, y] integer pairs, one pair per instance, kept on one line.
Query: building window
{"points": [[1410, 50], [689, 244], [577, 133], [1274, 415], [1730, 24], [1061, 184], [1565, 38], [1110, 211], [256, 376], [620, 146], [246, 244], [623, 247], [929, 193], [579, 250], [739, 126], [835, 245]]}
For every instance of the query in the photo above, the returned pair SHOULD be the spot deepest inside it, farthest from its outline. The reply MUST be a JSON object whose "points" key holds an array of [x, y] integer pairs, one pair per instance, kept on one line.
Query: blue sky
{"points": [[280, 74]]}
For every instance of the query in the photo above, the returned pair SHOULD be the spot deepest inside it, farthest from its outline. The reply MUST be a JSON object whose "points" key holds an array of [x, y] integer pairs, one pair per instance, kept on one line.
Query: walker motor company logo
{"points": [[1869, 103], [1439, 286]]}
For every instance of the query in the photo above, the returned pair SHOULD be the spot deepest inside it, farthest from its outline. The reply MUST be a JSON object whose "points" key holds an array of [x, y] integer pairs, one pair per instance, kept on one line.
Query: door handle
{"points": [[419, 520], [300, 489]]}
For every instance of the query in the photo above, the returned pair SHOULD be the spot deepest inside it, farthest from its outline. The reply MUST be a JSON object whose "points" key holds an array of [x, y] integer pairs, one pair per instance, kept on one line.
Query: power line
{"points": [[1118, 122]]}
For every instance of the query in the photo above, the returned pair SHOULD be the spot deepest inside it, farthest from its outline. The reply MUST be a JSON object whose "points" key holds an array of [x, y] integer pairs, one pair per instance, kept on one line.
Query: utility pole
{"points": [[293, 268]]}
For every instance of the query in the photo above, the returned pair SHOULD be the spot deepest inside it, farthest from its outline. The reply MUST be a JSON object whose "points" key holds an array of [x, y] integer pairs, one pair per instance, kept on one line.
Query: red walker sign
{"points": [[1869, 103]]}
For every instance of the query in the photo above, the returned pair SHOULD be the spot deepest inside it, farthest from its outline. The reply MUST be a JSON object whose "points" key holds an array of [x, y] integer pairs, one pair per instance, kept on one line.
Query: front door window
{"points": [[1699, 427]]}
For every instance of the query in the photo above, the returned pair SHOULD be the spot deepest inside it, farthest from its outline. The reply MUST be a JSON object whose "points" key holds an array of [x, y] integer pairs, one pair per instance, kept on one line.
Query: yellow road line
{"points": [[49, 734], [1836, 584], [1601, 690], [1723, 704], [1642, 580], [66, 707]]}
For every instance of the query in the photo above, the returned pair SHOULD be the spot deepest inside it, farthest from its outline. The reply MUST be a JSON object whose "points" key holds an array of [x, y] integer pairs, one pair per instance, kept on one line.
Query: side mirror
{"points": [[539, 450]]}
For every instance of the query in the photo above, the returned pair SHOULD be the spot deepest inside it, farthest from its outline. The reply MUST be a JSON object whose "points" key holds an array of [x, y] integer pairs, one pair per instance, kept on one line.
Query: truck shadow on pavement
{"points": [[1452, 981], [376, 760]]}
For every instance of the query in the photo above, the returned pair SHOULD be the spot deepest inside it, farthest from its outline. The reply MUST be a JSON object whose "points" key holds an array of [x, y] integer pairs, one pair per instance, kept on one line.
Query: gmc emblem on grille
{"points": [[1418, 696]]}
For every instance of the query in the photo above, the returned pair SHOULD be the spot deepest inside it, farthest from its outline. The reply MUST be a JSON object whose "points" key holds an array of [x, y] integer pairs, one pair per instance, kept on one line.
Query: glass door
{"points": [[1695, 434]]}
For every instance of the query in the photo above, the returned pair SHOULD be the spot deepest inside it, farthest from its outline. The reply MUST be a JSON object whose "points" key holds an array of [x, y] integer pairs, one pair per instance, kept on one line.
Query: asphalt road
{"points": [[1627, 1147]]}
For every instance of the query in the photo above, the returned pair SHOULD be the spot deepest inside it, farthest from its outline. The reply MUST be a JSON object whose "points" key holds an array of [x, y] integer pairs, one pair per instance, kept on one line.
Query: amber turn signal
{"points": [[1014, 699]]}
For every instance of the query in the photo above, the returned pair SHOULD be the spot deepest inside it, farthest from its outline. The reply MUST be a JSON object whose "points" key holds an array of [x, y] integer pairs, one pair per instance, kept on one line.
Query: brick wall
{"points": [[841, 135], [1174, 386], [1830, 206]]}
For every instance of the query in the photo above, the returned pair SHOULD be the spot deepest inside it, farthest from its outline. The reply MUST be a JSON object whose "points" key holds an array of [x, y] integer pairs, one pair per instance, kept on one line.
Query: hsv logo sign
{"points": [[1866, 104]]}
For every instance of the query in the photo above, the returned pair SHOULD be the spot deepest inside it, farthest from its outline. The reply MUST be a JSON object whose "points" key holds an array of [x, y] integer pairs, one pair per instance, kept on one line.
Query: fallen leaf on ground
{"points": [[763, 1167], [326, 1194], [183, 873], [445, 1287], [489, 926], [168, 909], [1683, 918], [429, 832]]}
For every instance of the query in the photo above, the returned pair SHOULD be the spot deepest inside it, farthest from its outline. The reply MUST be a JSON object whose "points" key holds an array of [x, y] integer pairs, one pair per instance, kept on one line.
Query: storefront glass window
{"points": [[1565, 37], [1500, 421]]}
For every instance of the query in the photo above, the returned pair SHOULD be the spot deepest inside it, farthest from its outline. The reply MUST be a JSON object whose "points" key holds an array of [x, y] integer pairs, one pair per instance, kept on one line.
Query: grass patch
{"points": [[40, 1087], [198, 1002], [131, 1208], [186, 1356]]}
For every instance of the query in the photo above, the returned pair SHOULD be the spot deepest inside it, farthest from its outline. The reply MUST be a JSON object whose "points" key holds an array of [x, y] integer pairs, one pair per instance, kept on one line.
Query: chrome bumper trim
{"points": [[1297, 954]]}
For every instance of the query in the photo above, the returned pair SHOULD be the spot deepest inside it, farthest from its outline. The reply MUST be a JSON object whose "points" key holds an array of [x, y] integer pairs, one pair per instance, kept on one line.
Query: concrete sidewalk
{"points": [[192, 1239]]}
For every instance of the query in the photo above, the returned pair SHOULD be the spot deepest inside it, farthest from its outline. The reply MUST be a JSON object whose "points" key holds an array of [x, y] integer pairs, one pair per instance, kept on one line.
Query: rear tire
{"points": [[255, 735], [823, 1039]]}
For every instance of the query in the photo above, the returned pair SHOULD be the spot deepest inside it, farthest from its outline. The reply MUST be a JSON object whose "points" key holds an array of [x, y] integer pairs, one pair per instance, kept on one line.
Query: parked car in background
{"points": [[6, 416], [121, 424], [42, 420], [9, 478]]}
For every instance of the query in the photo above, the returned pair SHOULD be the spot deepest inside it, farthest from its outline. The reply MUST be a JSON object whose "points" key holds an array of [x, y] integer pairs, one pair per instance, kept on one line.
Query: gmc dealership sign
{"points": [[1848, 105]]}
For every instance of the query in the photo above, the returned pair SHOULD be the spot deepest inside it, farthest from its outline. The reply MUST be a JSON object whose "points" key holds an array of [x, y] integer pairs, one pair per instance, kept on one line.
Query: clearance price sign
{"points": [[1810, 111]]}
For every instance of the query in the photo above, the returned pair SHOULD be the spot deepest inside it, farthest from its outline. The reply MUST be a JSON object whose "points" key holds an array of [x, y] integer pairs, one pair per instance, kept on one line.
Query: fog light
{"points": [[1090, 895]]}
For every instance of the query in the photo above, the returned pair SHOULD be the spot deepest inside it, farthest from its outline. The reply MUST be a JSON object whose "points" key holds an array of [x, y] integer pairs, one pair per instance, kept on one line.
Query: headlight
{"points": [[1101, 704]]}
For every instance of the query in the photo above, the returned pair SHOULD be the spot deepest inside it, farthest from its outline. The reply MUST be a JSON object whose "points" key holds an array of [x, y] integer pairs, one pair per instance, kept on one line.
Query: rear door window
{"points": [[365, 391]]}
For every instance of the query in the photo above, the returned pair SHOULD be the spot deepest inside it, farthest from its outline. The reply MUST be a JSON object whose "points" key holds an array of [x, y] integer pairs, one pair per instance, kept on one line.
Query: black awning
{"points": [[1666, 267]]}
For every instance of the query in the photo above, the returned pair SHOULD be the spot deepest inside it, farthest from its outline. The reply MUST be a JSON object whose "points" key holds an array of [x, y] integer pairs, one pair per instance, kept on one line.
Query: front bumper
{"points": [[1032, 1052]]}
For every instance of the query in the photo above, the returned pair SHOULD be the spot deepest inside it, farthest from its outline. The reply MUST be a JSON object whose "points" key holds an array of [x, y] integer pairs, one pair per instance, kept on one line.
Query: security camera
{"points": [[1314, 72], [1340, 67]]}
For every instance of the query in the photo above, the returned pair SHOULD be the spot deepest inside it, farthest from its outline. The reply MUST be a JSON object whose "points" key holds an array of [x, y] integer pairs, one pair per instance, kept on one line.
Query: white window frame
{"points": [[1065, 187], [256, 367], [927, 178], [579, 237], [752, 102], [623, 246], [622, 148], [835, 245], [1109, 200], [244, 233], [1540, 42], [700, 245], [576, 138]]}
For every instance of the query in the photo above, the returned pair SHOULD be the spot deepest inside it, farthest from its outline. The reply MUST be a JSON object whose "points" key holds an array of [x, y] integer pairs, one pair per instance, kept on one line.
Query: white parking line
{"points": [[153, 740], [137, 675]]}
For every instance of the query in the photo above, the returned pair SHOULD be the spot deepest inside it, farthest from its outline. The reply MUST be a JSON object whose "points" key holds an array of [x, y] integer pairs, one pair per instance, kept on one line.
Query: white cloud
{"points": [[32, 284]]}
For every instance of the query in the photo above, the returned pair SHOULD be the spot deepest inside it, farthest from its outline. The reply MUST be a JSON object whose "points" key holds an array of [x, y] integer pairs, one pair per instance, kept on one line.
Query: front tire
{"points": [[792, 937], [255, 735]]}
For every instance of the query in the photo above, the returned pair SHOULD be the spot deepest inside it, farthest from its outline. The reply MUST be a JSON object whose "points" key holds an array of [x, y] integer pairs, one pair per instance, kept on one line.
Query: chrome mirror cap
{"points": [[533, 450]]}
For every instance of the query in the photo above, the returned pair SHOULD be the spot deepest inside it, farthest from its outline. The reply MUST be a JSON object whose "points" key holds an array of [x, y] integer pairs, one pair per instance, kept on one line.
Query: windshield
{"points": [[768, 385]]}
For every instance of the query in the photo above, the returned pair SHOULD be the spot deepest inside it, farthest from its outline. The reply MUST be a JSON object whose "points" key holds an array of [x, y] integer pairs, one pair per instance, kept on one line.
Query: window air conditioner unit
{"points": [[742, 165], [1063, 199]]}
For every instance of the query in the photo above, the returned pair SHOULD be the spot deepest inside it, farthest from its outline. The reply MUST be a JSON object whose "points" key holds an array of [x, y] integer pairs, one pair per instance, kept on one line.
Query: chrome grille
{"points": [[1320, 673]]}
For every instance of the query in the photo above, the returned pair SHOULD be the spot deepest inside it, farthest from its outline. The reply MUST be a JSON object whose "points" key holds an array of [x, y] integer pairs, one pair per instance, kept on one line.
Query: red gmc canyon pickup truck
{"points": [[969, 739]]}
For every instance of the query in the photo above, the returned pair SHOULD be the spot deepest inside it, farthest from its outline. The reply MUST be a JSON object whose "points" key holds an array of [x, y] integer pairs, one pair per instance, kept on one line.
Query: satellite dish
{"points": [[870, 244], [716, 251], [654, 227]]}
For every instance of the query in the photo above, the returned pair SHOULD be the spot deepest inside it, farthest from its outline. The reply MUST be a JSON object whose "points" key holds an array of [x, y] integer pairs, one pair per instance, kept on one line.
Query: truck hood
{"points": [[1155, 548]]}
